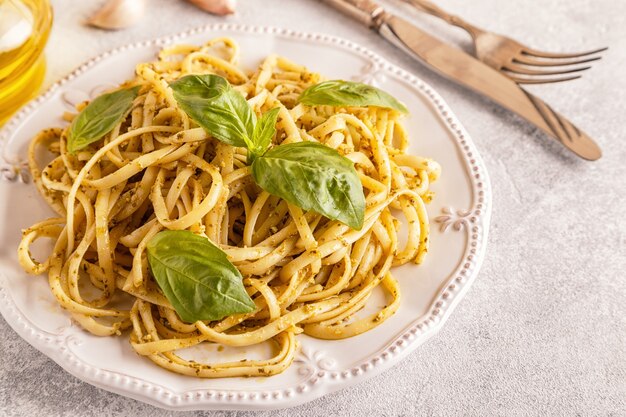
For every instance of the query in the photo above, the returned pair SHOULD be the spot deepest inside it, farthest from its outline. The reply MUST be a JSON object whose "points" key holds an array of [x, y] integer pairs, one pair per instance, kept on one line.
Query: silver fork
{"points": [[522, 64]]}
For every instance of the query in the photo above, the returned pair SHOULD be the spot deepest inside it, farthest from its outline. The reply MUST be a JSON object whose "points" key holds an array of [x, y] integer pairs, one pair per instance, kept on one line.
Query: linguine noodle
{"points": [[157, 170]]}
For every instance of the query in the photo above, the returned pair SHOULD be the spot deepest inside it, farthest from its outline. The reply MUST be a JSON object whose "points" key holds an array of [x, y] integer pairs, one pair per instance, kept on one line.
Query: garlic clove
{"points": [[218, 7], [118, 14]]}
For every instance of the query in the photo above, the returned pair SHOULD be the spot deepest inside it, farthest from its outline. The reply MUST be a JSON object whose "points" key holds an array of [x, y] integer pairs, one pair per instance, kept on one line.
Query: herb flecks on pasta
{"points": [[182, 228]]}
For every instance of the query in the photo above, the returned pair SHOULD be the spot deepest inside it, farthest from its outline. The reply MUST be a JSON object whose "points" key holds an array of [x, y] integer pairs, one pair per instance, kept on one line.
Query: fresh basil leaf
{"points": [[349, 93], [214, 105], [264, 131], [313, 177], [99, 118], [196, 277]]}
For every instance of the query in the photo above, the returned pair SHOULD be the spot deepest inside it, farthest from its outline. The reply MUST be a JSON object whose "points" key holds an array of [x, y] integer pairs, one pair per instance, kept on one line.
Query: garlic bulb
{"points": [[118, 14], [219, 7]]}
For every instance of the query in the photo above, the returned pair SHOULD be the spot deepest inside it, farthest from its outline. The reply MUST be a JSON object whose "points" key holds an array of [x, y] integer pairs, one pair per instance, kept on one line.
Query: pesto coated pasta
{"points": [[297, 268]]}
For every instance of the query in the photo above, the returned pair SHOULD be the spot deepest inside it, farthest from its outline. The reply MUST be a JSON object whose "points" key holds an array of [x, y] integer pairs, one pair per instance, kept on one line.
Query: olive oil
{"points": [[24, 29]]}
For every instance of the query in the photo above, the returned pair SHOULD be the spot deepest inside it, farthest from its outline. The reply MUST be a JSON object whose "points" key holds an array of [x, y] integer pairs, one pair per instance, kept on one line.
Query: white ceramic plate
{"points": [[459, 215]]}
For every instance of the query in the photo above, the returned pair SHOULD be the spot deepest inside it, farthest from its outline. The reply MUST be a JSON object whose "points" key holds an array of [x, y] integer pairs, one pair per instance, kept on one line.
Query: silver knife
{"points": [[470, 72]]}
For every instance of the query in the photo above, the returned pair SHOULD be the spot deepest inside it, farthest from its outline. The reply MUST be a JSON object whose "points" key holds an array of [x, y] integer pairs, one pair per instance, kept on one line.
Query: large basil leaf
{"points": [[313, 177], [196, 277], [213, 104], [99, 118], [264, 131], [349, 93]]}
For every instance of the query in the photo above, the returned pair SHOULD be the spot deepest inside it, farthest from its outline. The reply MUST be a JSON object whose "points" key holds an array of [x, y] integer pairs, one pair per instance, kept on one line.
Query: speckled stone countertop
{"points": [[543, 329]]}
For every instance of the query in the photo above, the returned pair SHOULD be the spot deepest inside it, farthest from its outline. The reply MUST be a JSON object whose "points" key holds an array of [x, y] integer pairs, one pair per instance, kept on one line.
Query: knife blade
{"points": [[465, 70]]}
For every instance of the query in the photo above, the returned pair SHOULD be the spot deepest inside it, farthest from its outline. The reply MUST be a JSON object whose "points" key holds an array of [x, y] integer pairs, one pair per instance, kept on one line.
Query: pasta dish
{"points": [[201, 203]]}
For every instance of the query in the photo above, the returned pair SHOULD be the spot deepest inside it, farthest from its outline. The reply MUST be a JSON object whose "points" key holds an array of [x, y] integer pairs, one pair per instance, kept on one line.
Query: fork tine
{"points": [[530, 60], [518, 69], [542, 54], [543, 80]]}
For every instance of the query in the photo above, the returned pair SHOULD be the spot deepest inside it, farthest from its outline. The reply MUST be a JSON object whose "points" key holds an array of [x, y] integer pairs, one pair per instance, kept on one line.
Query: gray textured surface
{"points": [[543, 330]]}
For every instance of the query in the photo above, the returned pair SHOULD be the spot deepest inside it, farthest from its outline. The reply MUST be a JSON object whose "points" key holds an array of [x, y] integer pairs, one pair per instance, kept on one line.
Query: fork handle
{"points": [[433, 9]]}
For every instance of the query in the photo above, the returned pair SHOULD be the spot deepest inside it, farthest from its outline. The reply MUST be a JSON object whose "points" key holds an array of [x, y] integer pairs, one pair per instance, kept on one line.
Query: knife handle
{"points": [[365, 11], [563, 130]]}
